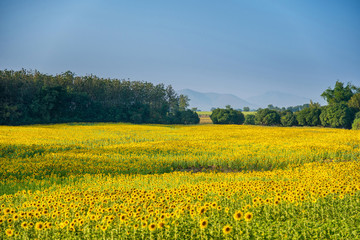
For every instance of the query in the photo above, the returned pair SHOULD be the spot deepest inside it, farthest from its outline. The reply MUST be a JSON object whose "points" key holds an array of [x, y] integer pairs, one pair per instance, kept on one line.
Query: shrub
{"points": [[309, 116], [267, 117], [356, 124], [288, 119], [357, 115], [250, 119], [189, 117], [227, 116], [337, 115], [354, 102]]}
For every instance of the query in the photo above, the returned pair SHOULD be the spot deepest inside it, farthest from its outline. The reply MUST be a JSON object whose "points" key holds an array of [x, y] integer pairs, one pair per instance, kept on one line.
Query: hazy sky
{"points": [[240, 47]]}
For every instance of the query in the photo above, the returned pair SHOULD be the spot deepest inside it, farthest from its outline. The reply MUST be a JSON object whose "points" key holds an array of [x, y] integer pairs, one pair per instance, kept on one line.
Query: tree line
{"points": [[31, 97], [342, 111]]}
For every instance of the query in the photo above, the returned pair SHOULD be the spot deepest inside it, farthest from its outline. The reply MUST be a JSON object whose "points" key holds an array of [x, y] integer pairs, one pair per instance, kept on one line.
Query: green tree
{"points": [[189, 117], [227, 116], [183, 102], [309, 116], [337, 115], [288, 119], [339, 93], [354, 102], [246, 109], [249, 119], [267, 117], [356, 124]]}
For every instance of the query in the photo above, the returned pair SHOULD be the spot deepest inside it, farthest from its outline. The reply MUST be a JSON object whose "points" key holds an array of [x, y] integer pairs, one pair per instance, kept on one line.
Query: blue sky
{"points": [[241, 47]]}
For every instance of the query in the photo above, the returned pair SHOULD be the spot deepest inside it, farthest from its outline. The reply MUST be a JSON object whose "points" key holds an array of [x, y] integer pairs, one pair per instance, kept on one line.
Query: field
{"points": [[125, 181]]}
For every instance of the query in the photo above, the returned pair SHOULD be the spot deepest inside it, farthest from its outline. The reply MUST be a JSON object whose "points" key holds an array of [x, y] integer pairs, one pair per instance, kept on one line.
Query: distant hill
{"points": [[206, 101], [278, 99]]}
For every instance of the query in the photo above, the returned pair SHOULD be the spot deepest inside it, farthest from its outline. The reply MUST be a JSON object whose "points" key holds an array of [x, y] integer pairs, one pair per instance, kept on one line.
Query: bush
{"points": [[189, 117], [357, 115], [354, 102], [356, 124], [288, 119], [337, 115], [267, 117], [227, 116], [309, 116], [250, 119]]}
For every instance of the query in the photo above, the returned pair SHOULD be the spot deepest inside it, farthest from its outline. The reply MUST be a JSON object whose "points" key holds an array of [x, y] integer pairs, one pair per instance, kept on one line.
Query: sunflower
{"points": [[6, 211], [152, 226], [123, 218], [16, 217], [227, 229], [238, 215], [248, 216], [24, 225], [203, 223], [39, 226], [136, 226], [202, 210], [161, 225], [103, 227], [9, 232]]}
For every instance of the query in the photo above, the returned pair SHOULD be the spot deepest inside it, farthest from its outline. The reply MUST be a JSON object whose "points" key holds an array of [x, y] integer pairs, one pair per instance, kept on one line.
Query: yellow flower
{"points": [[203, 223], [39, 226], [24, 225], [248, 216], [227, 229], [161, 224], [9, 232], [152, 226], [238, 215]]}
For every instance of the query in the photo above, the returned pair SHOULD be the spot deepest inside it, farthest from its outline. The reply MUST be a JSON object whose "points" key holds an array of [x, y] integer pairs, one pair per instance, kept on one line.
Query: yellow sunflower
{"points": [[238, 215], [227, 229], [203, 223], [248, 216]]}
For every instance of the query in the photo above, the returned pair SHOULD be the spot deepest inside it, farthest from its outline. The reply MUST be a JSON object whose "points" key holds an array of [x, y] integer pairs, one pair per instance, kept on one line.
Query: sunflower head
{"points": [[203, 223], [24, 225], [248, 216], [39, 226], [238, 215], [161, 224], [227, 229], [152, 226], [9, 232]]}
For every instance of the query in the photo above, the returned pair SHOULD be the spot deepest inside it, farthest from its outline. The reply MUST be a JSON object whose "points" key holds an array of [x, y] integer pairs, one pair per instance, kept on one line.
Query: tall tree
{"points": [[339, 93]]}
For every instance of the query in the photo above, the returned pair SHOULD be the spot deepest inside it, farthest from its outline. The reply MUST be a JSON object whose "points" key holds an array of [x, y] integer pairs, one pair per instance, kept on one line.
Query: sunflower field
{"points": [[126, 181]]}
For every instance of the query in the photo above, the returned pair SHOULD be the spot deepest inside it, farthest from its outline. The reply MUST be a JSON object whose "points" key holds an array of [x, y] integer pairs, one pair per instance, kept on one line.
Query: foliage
{"points": [[354, 102], [297, 108], [309, 116], [189, 117], [339, 93], [337, 115], [356, 124], [32, 97], [246, 109], [288, 119], [267, 117], [249, 119], [357, 115], [227, 116]]}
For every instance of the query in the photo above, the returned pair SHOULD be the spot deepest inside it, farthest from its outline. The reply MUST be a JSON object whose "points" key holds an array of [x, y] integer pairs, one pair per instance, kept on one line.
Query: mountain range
{"points": [[206, 101]]}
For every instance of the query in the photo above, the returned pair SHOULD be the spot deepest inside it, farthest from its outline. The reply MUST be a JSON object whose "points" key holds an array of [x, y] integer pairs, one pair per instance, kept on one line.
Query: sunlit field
{"points": [[124, 181]]}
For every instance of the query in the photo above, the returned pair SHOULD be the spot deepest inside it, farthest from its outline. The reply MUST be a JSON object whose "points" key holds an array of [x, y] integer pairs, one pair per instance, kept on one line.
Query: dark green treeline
{"points": [[30, 97]]}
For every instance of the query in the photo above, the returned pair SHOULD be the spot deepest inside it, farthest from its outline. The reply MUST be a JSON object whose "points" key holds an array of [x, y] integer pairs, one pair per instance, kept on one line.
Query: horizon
{"points": [[241, 48]]}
